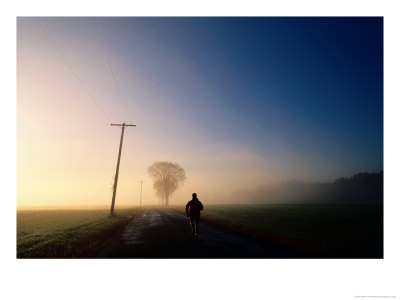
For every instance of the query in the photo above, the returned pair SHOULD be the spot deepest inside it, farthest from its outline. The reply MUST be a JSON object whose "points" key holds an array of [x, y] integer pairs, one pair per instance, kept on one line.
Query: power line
{"points": [[61, 54], [121, 98], [101, 42], [72, 70], [126, 111]]}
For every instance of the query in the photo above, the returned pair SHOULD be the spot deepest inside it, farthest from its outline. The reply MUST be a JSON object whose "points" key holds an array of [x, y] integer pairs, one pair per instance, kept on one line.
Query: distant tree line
{"points": [[360, 188]]}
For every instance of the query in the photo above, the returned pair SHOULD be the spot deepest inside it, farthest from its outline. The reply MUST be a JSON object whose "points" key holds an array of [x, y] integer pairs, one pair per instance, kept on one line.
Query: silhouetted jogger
{"points": [[193, 208]]}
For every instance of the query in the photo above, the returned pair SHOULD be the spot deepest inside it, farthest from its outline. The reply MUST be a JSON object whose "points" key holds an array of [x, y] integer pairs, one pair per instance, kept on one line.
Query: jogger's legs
{"points": [[194, 225]]}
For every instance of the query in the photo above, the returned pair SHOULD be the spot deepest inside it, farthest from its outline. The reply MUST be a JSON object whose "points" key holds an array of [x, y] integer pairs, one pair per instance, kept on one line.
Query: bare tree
{"points": [[167, 178]]}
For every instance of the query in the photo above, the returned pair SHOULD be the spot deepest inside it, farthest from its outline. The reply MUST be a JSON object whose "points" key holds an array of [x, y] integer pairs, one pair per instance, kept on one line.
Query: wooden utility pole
{"points": [[141, 182], [117, 171]]}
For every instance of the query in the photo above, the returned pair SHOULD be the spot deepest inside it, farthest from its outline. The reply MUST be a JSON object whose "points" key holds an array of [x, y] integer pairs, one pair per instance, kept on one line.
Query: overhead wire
{"points": [[64, 59], [121, 98], [101, 42]]}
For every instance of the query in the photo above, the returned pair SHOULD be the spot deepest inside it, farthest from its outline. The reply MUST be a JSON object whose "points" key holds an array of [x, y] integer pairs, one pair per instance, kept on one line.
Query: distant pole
{"points": [[141, 182], [117, 171]]}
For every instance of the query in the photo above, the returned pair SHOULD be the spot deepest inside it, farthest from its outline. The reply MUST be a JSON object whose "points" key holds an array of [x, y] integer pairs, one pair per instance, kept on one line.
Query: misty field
{"points": [[67, 233], [315, 230]]}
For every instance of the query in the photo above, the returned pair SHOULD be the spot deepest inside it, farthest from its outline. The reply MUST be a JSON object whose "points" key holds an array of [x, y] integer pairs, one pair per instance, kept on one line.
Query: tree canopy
{"points": [[167, 178]]}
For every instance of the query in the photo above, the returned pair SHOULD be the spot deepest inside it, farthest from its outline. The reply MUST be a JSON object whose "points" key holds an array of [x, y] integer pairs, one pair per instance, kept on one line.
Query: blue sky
{"points": [[229, 99], [313, 86]]}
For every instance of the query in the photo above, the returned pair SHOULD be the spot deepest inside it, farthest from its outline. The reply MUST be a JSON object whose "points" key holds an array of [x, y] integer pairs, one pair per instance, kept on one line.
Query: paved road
{"points": [[165, 233]]}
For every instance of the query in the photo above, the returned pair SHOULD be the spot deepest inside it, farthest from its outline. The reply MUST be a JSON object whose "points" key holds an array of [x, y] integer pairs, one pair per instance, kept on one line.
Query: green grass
{"points": [[315, 230], [321, 230], [67, 233]]}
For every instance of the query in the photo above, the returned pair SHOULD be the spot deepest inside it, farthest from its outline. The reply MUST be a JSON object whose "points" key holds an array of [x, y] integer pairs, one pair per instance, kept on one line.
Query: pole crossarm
{"points": [[123, 124]]}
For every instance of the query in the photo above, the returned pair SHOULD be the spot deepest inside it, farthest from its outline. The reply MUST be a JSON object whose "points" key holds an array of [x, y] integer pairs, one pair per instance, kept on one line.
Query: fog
{"points": [[361, 188], [241, 136]]}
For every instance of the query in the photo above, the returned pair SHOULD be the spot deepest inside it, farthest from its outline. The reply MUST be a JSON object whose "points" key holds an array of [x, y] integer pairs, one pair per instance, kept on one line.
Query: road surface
{"points": [[165, 233]]}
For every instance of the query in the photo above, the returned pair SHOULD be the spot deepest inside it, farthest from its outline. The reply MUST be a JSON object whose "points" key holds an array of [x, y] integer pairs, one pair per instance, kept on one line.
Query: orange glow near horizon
{"points": [[67, 96], [67, 150]]}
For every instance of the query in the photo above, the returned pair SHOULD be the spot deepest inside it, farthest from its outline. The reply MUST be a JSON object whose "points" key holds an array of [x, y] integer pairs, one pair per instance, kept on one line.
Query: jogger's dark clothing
{"points": [[193, 208]]}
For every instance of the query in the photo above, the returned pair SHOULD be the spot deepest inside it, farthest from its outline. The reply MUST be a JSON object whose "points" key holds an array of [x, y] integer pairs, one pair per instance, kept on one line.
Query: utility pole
{"points": [[117, 171], [141, 182]]}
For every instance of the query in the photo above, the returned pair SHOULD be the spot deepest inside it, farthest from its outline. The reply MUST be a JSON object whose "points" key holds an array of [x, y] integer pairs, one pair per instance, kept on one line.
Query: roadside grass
{"points": [[316, 230], [67, 233]]}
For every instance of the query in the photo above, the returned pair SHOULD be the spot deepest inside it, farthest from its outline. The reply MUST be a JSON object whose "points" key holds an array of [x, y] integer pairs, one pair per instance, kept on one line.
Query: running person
{"points": [[193, 208]]}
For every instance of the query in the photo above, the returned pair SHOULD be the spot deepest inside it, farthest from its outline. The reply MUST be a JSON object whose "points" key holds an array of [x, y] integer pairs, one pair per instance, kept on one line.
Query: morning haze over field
{"points": [[238, 103]]}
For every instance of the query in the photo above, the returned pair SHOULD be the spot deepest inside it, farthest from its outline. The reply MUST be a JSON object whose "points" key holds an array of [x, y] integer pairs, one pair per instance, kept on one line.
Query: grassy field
{"points": [[348, 231], [67, 233]]}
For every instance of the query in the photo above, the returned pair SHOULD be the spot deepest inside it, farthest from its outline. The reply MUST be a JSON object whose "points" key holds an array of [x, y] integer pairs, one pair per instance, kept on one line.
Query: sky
{"points": [[237, 102]]}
